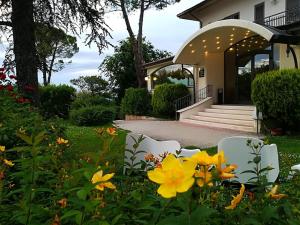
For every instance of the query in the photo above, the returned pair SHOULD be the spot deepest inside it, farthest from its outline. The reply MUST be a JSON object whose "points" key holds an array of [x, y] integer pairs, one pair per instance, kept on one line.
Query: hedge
{"points": [[92, 115], [136, 101], [277, 95], [164, 97], [84, 100], [56, 100]]}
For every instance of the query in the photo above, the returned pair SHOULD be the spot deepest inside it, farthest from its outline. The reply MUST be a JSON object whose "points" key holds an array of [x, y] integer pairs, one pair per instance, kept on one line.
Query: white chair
{"points": [[149, 145], [237, 152]]}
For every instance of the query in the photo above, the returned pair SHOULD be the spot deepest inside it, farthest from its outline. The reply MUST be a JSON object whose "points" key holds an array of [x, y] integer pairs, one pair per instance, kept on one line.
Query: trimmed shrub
{"points": [[84, 100], [56, 100], [277, 95], [137, 101], [164, 97], [92, 115]]}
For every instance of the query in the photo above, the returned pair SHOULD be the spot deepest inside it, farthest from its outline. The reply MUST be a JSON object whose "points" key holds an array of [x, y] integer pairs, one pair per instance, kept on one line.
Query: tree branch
{"points": [[6, 23], [125, 15]]}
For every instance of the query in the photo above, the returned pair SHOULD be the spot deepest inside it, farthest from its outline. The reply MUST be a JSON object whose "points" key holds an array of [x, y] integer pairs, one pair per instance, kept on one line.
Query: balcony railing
{"points": [[283, 18]]}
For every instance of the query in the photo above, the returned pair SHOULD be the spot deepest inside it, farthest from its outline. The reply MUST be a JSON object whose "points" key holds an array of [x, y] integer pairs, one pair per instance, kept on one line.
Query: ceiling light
{"points": [[218, 47], [217, 38], [218, 42], [244, 41], [231, 49], [193, 51], [203, 41], [230, 43], [233, 29], [256, 42], [204, 46], [231, 35], [231, 39], [191, 45], [206, 52], [243, 45]]}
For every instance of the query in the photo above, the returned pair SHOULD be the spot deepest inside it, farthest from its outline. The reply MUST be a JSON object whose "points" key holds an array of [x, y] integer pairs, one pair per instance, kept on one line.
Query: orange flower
{"points": [[56, 220], [237, 199], [61, 141], [149, 157], [273, 193], [63, 203], [204, 177], [111, 131]]}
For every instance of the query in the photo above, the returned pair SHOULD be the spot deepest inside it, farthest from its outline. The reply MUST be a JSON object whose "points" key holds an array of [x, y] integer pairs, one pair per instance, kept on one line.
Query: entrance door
{"points": [[259, 13]]}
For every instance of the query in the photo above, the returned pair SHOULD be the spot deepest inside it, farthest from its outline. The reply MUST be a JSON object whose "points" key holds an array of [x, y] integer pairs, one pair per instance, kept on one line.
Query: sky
{"points": [[161, 27]]}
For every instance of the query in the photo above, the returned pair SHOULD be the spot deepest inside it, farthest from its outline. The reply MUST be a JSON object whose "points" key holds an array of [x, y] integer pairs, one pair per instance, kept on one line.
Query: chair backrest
{"points": [[188, 152], [148, 145], [237, 152]]}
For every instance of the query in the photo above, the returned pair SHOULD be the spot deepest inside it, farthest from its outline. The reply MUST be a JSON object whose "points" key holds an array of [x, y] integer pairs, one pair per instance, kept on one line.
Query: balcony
{"points": [[282, 19]]}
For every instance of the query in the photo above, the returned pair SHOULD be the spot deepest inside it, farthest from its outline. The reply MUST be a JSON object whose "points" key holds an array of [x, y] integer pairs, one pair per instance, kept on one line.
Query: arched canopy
{"points": [[220, 36]]}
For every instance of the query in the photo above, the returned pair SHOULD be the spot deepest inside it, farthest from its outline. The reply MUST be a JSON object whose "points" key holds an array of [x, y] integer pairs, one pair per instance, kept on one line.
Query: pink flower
{"points": [[13, 77], [9, 87]]}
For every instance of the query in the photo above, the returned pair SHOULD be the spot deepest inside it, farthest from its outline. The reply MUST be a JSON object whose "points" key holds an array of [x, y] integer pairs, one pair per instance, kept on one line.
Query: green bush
{"points": [[277, 95], [164, 97], [56, 100], [136, 101], [83, 100], [92, 115]]}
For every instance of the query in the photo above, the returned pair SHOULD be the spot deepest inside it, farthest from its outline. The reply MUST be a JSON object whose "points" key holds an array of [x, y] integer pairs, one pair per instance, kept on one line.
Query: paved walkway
{"points": [[185, 134]]}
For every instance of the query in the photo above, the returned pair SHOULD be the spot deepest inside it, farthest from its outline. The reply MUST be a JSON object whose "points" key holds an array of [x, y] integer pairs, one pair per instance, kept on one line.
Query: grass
{"points": [[287, 144]]}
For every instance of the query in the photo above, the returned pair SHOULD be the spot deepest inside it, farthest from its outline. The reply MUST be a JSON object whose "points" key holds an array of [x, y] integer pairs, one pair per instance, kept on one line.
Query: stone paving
{"points": [[185, 134]]}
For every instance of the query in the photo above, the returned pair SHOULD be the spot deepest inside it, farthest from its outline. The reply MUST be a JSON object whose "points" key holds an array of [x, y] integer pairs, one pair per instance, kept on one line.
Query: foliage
{"points": [[136, 40], [54, 46], [120, 69], [92, 115], [136, 101], [277, 95], [84, 100], [19, 17], [56, 100], [164, 97], [94, 85], [53, 179]]}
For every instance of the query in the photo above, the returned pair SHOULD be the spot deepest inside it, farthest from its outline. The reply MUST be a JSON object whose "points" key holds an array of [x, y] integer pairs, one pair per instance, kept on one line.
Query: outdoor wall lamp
{"points": [[154, 78], [146, 78]]}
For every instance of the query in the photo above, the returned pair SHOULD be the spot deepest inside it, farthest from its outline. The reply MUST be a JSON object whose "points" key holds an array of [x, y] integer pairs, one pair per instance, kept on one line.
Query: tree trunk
{"points": [[24, 48], [138, 63], [44, 70]]}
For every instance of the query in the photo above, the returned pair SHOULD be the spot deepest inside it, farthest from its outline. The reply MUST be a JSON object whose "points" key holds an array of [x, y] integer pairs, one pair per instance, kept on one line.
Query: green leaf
{"points": [[26, 138], [82, 194], [202, 214], [116, 219], [70, 213]]}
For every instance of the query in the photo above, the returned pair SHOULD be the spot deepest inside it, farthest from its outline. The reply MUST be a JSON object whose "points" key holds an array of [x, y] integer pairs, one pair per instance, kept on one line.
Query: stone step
{"points": [[230, 111], [225, 116], [223, 120], [234, 107], [220, 125]]}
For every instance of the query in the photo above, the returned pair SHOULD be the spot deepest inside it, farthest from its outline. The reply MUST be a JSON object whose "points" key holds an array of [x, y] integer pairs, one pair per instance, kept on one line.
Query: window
{"points": [[259, 13], [233, 16]]}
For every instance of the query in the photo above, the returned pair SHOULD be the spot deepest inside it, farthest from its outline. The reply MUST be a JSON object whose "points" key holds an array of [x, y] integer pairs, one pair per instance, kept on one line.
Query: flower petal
{"points": [[108, 176], [170, 162], [109, 185], [167, 191], [156, 175], [186, 185], [97, 177]]}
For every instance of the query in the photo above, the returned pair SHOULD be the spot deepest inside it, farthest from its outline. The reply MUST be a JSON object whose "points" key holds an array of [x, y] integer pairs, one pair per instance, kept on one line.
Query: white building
{"points": [[236, 40]]}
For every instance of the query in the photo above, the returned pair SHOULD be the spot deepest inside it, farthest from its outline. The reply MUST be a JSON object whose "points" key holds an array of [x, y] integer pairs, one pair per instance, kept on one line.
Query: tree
{"points": [[127, 7], [120, 67], [53, 47], [70, 15], [92, 84]]}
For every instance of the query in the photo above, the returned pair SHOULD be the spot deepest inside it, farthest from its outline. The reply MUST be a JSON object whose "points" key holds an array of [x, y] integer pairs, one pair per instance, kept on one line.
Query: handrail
{"points": [[181, 103], [205, 92], [283, 18]]}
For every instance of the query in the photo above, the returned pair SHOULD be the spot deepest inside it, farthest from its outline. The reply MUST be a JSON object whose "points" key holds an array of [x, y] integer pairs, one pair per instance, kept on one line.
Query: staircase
{"points": [[234, 117]]}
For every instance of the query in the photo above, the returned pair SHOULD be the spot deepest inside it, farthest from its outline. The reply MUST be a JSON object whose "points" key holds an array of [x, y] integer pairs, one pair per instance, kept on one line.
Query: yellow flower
{"points": [[219, 158], [8, 162], [273, 193], [224, 173], [236, 199], [61, 141], [204, 177], [111, 131], [201, 158], [102, 180], [173, 175], [2, 148]]}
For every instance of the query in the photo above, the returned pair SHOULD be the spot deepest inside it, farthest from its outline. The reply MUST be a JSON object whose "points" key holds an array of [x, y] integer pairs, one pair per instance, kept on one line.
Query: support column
{"points": [[196, 79]]}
